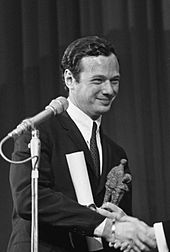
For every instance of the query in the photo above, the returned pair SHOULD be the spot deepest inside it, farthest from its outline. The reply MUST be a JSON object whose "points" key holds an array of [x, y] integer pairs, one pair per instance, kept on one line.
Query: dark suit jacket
{"points": [[166, 227], [59, 213]]}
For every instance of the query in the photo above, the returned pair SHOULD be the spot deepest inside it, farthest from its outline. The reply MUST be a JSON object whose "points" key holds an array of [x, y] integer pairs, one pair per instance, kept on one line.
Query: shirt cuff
{"points": [[99, 229], [160, 237]]}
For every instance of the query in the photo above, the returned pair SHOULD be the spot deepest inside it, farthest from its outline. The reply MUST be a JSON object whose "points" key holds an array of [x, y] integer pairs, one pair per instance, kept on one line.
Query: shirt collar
{"points": [[82, 120]]}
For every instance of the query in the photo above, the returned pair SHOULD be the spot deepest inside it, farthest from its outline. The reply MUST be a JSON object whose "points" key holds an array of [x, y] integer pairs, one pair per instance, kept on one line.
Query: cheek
{"points": [[95, 91], [93, 96], [83, 97], [87, 95], [116, 89]]}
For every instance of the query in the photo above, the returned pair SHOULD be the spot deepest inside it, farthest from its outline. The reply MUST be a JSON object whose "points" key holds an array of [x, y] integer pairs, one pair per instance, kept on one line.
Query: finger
{"points": [[136, 249], [124, 245], [127, 218], [128, 249], [149, 242], [111, 244], [131, 248], [139, 246], [110, 206], [103, 211], [112, 211], [134, 245], [117, 244], [107, 213]]}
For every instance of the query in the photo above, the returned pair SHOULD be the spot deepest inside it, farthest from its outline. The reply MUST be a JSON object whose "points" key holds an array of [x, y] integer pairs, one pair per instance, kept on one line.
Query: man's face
{"points": [[98, 85]]}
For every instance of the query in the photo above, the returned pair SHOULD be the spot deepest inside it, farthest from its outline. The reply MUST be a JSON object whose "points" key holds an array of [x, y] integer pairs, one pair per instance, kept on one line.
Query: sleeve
{"points": [[54, 208]]}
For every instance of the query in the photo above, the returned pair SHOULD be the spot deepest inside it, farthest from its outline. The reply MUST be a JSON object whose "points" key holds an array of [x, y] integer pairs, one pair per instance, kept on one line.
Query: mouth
{"points": [[105, 101]]}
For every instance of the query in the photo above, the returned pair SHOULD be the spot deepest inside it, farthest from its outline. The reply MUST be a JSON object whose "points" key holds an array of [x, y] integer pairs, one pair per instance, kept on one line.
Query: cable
{"points": [[12, 161]]}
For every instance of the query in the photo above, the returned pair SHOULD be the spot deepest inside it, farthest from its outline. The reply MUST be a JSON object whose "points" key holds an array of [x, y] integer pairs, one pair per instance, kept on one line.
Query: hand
{"points": [[107, 233], [111, 211], [132, 234]]}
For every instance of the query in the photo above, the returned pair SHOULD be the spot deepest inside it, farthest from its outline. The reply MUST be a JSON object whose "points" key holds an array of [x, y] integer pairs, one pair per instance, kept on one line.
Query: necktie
{"points": [[94, 150]]}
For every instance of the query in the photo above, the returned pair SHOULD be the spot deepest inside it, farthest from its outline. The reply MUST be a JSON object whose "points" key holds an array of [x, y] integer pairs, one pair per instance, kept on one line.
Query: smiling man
{"points": [[91, 75], [97, 86]]}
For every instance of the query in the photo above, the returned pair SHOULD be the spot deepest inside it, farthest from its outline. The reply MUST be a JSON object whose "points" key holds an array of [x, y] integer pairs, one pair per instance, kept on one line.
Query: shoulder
{"points": [[113, 145], [56, 124], [48, 128]]}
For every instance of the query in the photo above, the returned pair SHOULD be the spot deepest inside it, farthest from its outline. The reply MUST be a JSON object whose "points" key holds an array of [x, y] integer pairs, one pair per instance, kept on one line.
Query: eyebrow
{"points": [[116, 77]]}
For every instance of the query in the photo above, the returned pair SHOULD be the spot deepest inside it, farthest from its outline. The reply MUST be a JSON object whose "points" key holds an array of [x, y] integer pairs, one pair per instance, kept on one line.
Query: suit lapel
{"points": [[105, 165], [74, 133]]}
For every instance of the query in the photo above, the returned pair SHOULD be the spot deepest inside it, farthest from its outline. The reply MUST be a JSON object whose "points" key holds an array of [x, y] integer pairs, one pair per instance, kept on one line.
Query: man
{"points": [[91, 74]]}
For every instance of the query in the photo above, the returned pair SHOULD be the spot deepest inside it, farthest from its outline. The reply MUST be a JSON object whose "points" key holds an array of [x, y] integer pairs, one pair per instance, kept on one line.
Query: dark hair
{"points": [[83, 47]]}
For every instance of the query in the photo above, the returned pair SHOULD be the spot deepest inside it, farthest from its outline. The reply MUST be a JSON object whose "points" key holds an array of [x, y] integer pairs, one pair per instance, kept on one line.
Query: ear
{"points": [[69, 79]]}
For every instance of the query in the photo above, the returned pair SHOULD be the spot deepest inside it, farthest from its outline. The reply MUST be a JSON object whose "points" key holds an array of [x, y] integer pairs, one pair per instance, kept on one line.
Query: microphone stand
{"points": [[35, 146], [56, 106]]}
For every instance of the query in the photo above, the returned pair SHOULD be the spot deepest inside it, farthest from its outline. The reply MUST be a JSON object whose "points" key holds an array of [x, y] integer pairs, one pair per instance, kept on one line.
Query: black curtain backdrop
{"points": [[33, 35]]}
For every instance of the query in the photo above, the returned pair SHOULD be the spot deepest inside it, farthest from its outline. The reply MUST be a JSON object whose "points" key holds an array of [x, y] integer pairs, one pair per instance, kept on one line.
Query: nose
{"points": [[108, 88]]}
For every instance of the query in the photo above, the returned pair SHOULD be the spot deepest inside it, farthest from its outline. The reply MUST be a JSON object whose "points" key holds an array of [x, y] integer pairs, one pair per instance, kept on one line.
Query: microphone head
{"points": [[58, 105]]}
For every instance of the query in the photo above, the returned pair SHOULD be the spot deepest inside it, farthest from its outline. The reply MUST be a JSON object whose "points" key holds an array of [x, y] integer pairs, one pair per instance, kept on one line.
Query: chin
{"points": [[104, 109]]}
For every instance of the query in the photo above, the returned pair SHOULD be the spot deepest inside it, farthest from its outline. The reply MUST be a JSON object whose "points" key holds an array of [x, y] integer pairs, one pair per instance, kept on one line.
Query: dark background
{"points": [[33, 35]]}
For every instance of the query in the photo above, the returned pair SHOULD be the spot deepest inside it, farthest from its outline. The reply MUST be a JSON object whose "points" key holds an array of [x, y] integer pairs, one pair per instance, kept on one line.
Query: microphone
{"points": [[56, 106]]}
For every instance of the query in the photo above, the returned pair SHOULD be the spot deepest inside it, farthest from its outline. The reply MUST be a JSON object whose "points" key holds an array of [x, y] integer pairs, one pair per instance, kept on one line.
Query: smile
{"points": [[105, 101]]}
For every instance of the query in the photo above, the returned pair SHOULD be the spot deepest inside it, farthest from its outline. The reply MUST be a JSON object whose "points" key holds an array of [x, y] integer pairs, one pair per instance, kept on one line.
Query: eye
{"points": [[97, 81], [115, 82]]}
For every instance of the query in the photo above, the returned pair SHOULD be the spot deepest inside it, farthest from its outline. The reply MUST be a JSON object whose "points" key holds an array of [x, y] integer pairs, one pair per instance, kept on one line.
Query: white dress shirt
{"points": [[85, 124]]}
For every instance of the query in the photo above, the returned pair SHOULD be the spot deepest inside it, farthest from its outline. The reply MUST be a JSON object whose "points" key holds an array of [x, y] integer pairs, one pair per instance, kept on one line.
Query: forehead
{"points": [[100, 65]]}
